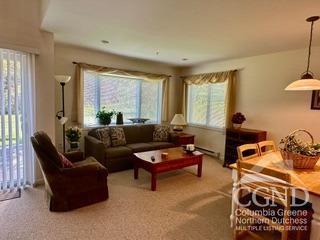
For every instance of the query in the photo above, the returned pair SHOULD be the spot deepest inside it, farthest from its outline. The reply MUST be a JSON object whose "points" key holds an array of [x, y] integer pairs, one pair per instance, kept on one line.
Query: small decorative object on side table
{"points": [[73, 135], [237, 120]]}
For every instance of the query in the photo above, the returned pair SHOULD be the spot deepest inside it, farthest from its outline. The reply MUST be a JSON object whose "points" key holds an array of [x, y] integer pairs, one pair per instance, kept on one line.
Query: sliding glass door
{"points": [[16, 118]]}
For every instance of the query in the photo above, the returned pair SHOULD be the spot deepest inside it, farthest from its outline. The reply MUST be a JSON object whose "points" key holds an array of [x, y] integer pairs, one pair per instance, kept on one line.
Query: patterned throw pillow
{"points": [[104, 136], [161, 133], [117, 137], [65, 161]]}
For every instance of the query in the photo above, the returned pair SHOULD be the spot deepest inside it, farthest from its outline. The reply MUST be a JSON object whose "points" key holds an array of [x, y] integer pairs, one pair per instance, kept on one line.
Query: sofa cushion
{"points": [[104, 136], [146, 131], [161, 145], [161, 133], [119, 151], [93, 133], [117, 137], [140, 147], [133, 134]]}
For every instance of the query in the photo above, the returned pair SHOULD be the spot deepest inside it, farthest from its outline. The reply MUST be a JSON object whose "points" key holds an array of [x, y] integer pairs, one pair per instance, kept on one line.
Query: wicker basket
{"points": [[298, 160]]}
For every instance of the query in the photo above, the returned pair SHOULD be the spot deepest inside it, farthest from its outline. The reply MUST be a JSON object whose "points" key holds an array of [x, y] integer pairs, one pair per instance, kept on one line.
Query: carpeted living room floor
{"points": [[183, 207]]}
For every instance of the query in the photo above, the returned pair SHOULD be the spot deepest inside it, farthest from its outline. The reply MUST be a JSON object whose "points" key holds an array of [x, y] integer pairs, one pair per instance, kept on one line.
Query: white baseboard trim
{"points": [[210, 153]]}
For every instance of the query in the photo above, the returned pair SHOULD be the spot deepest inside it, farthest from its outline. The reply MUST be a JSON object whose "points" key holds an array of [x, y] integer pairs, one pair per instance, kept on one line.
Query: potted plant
{"points": [[237, 120], [104, 116], [73, 135]]}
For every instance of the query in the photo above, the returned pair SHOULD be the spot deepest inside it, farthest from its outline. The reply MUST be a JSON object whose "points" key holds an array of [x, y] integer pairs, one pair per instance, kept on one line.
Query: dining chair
{"points": [[266, 147], [248, 151], [261, 184]]}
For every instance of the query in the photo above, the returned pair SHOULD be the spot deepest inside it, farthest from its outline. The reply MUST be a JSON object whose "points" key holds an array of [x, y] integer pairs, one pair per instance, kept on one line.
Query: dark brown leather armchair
{"points": [[69, 188]]}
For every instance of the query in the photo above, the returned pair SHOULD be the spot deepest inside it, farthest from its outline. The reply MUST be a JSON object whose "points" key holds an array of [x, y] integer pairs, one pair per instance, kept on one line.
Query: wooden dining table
{"points": [[304, 180]]}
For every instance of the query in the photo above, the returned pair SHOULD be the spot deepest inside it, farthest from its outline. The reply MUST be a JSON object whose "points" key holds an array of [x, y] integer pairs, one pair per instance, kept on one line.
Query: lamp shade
{"points": [[179, 120], [62, 78], [304, 85], [307, 81]]}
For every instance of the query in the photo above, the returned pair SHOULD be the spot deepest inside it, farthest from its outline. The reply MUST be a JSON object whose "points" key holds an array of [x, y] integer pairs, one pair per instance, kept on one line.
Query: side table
{"points": [[182, 138]]}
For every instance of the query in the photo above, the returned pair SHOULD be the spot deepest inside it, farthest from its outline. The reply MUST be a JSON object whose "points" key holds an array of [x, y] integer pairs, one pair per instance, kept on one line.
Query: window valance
{"points": [[206, 78], [124, 73]]}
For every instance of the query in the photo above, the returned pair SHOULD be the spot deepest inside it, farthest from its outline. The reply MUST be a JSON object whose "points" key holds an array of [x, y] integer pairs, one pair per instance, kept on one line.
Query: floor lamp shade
{"points": [[62, 78], [63, 120]]}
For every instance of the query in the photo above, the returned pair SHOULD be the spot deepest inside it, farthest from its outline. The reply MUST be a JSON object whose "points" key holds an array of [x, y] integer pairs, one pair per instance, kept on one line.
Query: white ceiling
{"points": [[200, 30]]}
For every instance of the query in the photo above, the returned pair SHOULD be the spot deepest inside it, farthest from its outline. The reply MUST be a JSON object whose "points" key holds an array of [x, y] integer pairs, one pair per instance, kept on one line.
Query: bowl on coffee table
{"points": [[188, 148]]}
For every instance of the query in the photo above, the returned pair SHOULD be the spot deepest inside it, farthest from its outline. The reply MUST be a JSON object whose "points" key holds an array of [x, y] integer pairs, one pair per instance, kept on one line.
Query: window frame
{"points": [[138, 97], [206, 125]]}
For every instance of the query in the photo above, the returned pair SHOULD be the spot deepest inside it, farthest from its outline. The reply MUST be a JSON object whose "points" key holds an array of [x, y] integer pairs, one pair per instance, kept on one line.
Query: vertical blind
{"points": [[16, 118]]}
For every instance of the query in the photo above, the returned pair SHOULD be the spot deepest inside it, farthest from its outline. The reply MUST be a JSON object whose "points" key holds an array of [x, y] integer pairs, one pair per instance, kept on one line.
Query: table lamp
{"points": [[178, 122]]}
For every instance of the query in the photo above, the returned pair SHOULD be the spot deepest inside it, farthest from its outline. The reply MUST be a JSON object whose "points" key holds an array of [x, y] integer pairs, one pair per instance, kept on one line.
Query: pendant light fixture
{"points": [[307, 81]]}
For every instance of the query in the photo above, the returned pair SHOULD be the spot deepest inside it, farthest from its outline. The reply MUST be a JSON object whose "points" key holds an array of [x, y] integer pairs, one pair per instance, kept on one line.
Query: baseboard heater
{"points": [[209, 152]]}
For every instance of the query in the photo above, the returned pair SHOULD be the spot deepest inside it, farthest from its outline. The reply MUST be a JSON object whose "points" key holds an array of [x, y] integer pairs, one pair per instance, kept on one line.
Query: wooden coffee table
{"points": [[176, 159]]}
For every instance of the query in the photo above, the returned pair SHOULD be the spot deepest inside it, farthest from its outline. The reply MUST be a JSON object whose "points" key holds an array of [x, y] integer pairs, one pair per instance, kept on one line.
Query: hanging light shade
{"points": [[307, 80]]}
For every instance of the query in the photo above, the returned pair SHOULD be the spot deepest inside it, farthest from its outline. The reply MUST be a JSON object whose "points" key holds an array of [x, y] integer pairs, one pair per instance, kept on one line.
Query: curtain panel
{"points": [[77, 112], [211, 78]]}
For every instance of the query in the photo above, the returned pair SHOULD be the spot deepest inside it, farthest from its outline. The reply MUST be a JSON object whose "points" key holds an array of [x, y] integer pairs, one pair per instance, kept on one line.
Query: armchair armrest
{"points": [[74, 156], [94, 148], [91, 169], [80, 178]]}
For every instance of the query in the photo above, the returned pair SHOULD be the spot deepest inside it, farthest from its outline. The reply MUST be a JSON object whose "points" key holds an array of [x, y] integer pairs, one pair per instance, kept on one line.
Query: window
{"points": [[133, 97], [206, 104], [16, 118]]}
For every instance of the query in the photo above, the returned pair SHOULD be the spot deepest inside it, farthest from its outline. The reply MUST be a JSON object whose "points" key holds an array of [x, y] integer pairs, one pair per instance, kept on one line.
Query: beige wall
{"points": [[261, 96], [20, 30], [20, 24], [66, 54]]}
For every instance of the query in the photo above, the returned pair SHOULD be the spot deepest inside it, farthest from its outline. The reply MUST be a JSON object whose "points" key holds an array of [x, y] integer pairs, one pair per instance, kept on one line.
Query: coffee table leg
{"points": [[136, 172], [200, 168], [153, 181]]}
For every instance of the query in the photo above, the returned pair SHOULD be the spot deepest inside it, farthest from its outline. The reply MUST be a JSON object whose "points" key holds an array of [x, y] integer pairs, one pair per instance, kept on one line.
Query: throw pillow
{"points": [[65, 161], [104, 136], [117, 137], [161, 133]]}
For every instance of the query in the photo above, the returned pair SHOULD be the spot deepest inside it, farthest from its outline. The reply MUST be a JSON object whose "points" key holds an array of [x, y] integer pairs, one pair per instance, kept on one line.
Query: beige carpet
{"points": [[183, 207]]}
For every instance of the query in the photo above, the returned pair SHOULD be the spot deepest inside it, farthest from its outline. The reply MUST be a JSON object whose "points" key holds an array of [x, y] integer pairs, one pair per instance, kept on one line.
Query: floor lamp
{"points": [[62, 79]]}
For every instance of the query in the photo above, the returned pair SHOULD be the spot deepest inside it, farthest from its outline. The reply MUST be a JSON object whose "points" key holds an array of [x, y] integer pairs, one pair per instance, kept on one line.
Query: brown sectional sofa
{"points": [[139, 138]]}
